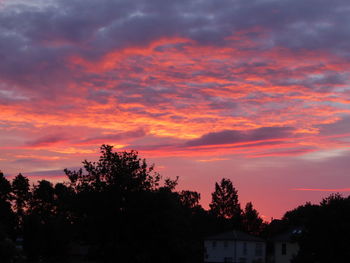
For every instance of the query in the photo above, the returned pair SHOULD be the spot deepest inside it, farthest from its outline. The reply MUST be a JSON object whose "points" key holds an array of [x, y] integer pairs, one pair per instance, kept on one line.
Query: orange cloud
{"points": [[176, 88]]}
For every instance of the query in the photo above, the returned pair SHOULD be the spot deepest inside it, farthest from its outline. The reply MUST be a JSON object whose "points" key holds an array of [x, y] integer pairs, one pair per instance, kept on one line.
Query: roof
{"points": [[235, 235]]}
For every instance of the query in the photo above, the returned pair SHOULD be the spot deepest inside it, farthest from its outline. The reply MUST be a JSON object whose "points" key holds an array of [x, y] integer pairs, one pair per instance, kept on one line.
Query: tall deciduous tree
{"points": [[120, 171], [115, 197], [225, 202]]}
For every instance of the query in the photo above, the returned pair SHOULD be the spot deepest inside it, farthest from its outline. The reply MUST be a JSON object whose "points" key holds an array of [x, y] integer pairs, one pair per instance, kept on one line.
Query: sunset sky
{"points": [[255, 91]]}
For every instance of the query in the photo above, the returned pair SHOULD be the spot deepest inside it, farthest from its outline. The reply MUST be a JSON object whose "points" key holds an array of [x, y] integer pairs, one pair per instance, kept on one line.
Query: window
{"points": [[228, 260], [225, 244], [214, 244], [258, 249], [284, 249], [245, 248]]}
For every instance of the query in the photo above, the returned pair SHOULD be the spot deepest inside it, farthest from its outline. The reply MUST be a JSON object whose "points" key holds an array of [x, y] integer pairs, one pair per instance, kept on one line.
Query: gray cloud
{"points": [[98, 26], [342, 126], [36, 41], [117, 136], [236, 136]]}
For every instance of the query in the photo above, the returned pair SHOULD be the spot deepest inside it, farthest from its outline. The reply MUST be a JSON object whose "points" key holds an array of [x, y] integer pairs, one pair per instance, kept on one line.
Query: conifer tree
{"points": [[252, 222], [225, 202]]}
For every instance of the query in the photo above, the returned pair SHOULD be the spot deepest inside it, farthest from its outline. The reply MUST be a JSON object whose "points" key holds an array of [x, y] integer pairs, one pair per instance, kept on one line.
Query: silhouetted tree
{"points": [[170, 184], [21, 196], [38, 233], [252, 222], [117, 197], [190, 199], [120, 171], [64, 200], [301, 215], [42, 201], [225, 202], [118, 208], [326, 235], [5, 188], [7, 221]]}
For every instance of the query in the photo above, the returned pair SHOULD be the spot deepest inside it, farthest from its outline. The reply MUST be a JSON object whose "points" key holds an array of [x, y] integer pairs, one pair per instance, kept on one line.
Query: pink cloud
{"points": [[322, 190]]}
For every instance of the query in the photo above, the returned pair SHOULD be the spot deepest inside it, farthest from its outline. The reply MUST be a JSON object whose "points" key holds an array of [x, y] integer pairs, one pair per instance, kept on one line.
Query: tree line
{"points": [[117, 207], [120, 208]]}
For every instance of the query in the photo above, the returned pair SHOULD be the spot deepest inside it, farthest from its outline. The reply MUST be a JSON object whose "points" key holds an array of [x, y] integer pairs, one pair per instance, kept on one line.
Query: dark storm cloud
{"points": [[235, 136]]}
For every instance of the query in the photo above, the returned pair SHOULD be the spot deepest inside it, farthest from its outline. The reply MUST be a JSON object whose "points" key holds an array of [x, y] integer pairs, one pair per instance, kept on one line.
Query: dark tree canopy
{"points": [[122, 212], [326, 235], [190, 199], [120, 171]]}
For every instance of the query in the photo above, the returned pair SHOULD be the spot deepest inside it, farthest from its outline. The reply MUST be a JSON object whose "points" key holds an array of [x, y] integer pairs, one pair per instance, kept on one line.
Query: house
{"points": [[285, 246], [234, 246]]}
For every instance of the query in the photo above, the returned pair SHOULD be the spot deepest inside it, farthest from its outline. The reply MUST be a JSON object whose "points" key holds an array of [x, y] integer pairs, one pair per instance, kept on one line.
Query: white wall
{"points": [[291, 250], [234, 250]]}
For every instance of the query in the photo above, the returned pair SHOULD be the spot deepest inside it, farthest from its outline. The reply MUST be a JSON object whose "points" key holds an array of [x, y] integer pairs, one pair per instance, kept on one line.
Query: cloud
{"points": [[249, 78], [322, 190], [212, 160], [48, 140], [235, 136], [44, 35], [113, 137], [341, 126], [55, 176], [73, 140], [281, 153]]}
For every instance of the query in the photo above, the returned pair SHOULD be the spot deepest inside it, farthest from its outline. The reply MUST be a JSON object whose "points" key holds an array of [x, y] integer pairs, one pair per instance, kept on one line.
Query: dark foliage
{"points": [[252, 222], [7, 221], [326, 235], [117, 208], [225, 206], [21, 195]]}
